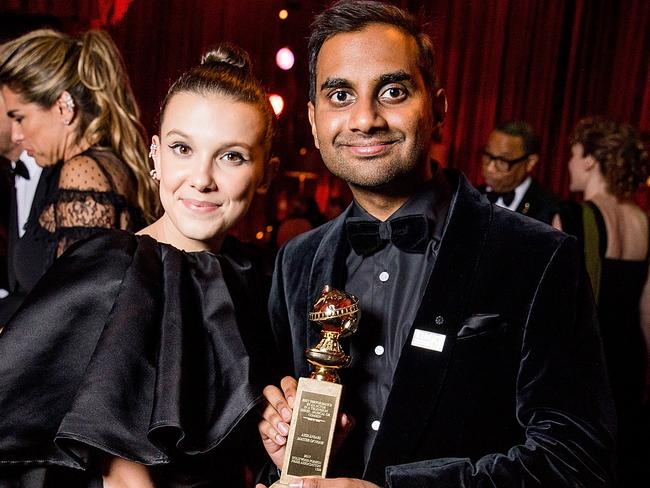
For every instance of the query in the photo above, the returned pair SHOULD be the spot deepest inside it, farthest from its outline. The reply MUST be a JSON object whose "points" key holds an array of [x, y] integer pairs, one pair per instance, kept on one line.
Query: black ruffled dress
{"points": [[128, 347], [618, 286], [102, 196]]}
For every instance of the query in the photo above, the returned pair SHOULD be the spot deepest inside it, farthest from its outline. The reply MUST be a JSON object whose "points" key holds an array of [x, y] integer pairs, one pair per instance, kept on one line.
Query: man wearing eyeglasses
{"points": [[511, 153]]}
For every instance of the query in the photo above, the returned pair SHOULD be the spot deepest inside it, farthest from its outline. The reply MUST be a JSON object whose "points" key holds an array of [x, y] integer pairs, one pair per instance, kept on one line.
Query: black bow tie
{"points": [[507, 197], [20, 169], [410, 234]]}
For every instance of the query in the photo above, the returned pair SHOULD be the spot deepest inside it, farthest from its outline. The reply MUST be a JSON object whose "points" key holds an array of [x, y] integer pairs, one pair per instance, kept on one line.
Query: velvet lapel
{"points": [[328, 267], [420, 373]]}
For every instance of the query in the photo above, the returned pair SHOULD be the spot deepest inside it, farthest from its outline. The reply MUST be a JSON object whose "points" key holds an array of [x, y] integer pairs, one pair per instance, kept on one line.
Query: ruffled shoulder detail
{"points": [[131, 348]]}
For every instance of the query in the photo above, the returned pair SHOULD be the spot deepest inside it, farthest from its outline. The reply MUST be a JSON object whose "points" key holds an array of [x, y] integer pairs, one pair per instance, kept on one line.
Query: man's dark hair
{"points": [[518, 128], [353, 16]]}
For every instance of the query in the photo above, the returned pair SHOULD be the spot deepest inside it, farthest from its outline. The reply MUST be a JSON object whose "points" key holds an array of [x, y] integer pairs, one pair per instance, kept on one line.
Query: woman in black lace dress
{"points": [[136, 359], [74, 112], [608, 164]]}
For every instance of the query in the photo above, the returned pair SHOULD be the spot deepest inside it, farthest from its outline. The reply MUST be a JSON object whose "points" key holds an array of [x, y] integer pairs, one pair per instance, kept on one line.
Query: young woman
{"points": [[73, 111], [608, 164], [137, 358]]}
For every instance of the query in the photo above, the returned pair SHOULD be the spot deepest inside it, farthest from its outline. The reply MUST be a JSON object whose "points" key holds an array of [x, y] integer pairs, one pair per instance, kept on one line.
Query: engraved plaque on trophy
{"points": [[317, 400]]}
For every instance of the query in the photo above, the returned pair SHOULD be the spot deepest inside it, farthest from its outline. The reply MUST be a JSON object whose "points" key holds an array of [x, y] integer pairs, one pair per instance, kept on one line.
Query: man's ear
{"points": [[439, 106], [311, 115], [532, 161], [270, 173]]}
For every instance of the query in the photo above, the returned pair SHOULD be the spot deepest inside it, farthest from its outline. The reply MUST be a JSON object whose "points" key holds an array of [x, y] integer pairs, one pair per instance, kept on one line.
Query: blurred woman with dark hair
{"points": [[609, 163]]}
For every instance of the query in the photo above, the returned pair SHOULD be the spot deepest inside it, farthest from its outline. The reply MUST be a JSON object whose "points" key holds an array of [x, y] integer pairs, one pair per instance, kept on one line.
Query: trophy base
{"points": [[280, 484], [312, 429]]}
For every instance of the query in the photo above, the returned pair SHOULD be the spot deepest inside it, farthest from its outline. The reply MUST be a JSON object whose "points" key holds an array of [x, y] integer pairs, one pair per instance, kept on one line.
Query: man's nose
{"points": [[491, 166], [366, 116]]}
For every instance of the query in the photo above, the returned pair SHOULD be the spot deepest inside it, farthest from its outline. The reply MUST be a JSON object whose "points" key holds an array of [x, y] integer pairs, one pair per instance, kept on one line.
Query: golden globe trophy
{"points": [[317, 401]]}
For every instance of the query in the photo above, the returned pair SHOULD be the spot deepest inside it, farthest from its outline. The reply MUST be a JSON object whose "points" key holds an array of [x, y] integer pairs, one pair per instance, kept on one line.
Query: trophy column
{"points": [[317, 399]]}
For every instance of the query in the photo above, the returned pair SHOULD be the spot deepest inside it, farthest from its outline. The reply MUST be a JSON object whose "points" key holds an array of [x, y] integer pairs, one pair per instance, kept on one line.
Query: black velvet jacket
{"points": [[518, 396]]}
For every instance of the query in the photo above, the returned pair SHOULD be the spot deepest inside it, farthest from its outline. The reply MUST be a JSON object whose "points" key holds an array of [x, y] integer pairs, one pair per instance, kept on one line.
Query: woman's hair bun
{"points": [[227, 53]]}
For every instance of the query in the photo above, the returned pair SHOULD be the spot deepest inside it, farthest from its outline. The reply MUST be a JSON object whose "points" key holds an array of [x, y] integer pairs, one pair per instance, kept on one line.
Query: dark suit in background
{"points": [[26, 255], [508, 159], [5, 204], [538, 203]]}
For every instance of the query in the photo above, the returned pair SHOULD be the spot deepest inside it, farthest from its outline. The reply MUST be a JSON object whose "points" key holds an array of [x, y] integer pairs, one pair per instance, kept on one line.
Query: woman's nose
{"points": [[202, 178]]}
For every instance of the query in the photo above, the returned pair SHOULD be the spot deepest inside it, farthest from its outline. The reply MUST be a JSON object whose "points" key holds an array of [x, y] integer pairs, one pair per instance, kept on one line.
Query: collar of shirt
{"points": [[520, 191], [30, 163], [430, 199], [25, 190]]}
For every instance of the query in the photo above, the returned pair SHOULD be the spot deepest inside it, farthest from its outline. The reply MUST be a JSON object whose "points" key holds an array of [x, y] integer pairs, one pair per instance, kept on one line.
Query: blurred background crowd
{"points": [[546, 62]]}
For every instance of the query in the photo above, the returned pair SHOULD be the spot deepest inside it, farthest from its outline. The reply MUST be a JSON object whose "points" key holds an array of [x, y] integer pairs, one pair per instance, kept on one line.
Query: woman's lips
{"points": [[199, 205]]}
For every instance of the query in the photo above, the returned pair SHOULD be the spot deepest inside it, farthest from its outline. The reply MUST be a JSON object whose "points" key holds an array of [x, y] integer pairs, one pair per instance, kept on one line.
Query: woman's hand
{"points": [[121, 473]]}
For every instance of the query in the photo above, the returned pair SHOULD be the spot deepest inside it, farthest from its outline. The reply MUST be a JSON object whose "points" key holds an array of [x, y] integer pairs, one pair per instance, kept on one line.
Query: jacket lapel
{"points": [[328, 268], [529, 200], [328, 265], [421, 371]]}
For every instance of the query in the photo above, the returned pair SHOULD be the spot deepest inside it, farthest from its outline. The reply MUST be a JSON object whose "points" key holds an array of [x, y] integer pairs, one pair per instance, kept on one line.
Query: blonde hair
{"points": [[44, 63]]}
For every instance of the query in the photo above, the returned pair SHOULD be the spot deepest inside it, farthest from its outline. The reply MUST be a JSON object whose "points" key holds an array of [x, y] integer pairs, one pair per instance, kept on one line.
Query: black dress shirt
{"points": [[389, 284]]}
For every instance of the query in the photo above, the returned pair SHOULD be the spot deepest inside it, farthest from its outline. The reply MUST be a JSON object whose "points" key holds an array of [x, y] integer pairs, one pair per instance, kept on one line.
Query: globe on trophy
{"points": [[316, 407]]}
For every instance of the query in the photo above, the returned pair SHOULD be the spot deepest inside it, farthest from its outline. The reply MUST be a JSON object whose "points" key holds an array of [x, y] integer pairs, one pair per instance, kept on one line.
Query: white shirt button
{"points": [[383, 276], [375, 425], [379, 350]]}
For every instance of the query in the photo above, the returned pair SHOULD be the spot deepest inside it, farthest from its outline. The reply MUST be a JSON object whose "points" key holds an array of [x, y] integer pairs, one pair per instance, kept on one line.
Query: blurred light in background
{"points": [[277, 102], [284, 58]]}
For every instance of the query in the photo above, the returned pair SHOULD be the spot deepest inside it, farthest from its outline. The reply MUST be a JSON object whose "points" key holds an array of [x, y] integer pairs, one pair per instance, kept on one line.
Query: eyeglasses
{"points": [[501, 163]]}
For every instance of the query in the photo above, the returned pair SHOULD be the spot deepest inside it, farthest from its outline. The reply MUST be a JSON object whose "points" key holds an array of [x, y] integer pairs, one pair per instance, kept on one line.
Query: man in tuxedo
{"points": [[477, 360], [9, 152], [24, 184], [511, 153]]}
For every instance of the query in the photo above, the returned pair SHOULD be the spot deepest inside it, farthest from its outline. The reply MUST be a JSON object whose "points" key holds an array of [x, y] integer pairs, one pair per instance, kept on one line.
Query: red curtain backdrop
{"points": [[549, 62]]}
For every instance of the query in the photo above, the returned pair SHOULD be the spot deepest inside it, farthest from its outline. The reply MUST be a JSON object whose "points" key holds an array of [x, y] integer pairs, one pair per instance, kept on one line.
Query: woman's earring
{"points": [[154, 174], [69, 105], [152, 149], [69, 102]]}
